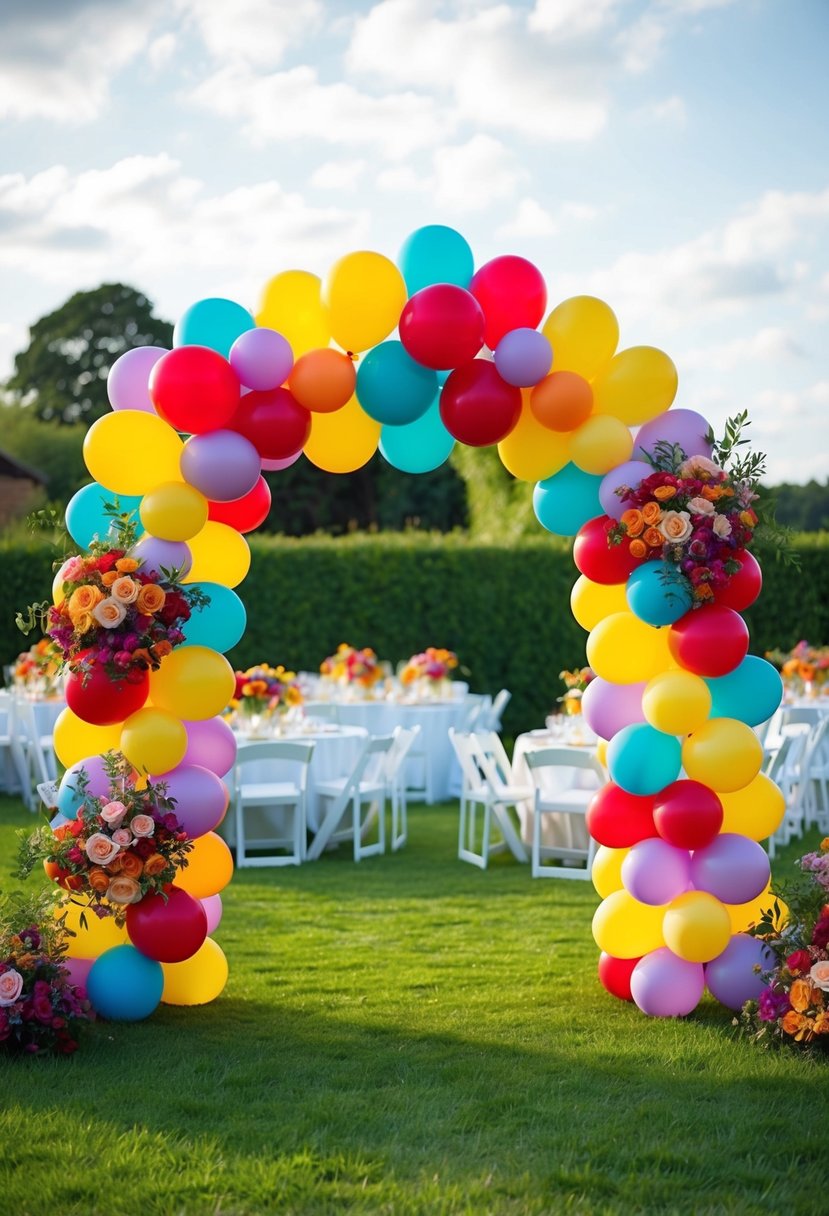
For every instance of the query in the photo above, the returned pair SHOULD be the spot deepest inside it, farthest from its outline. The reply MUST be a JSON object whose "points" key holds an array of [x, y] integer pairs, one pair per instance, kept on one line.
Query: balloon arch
{"points": [[680, 868]]}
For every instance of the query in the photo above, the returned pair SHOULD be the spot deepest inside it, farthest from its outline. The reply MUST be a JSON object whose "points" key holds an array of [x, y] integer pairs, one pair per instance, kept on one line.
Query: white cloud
{"points": [[769, 344], [669, 110], [338, 175], [571, 18], [470, 176], [252, 31], [161, 50], [530, 219], [402, 179]]}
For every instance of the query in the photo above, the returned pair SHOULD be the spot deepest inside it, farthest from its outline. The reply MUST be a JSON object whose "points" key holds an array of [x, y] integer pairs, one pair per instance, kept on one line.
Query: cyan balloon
{"points": [[435, 254], [658, 594], [392, 388], [124, 985], [565, 502], [214, 322], [85, 516], [419, 447], [750, 693], [219, 625], [643, 760]]}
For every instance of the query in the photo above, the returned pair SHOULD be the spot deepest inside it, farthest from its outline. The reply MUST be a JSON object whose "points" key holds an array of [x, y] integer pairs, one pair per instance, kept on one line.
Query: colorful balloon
{"points": [[618, 819], [86, 518], [512, 293], [696, 926], [211, 744], [123, 985], [158, 557], [562, 401], [676, 702], [600, 444], [614, 975], [736, 975], [274, 422], [98, 699], [609, 708], [643, 760], [566, 501], [214, 322], [664, 986], [732, 867], [154, 451], [220, 624], [709, 641], [435, 254], [128, 381], [751, 692], [201, 800], [153, 740], [612, 491], [756, 810], [261, 358], [365, 294], [194, 389], [420, 446], [73, 739], [193, 682], [168, 928], [687, 814], [222, 465], [392, 388], [636, 385], [477, 406], [323, 380], [220, 555], [683, 427], [292, 304], [584, 334], [442, 326], [343, 441], [624, 650], [198, 980], [245, 514], [658, 593], [174, 511], [523, 357], [597, 558], [625, 928], [655, 872], [591, 602], [724, 754], [209, 869], [530, 451]]}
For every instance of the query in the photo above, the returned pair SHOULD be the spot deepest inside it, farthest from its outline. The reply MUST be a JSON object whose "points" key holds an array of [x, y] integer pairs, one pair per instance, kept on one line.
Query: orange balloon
{"points": [[562, 401], [323, 380]]}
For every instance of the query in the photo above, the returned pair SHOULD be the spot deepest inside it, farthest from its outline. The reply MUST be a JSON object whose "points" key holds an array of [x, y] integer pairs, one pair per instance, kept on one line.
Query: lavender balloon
{"points": [[628, 474], [731, 976], [732, 867], [665, 986], [210, 744], [655, 872], [609, 708], [129, 377], [261, 358], [276, 466], [685, 427], [157, 555], [212, 905], [222, 464], [69, 796], [523, 357], [201, 798]]}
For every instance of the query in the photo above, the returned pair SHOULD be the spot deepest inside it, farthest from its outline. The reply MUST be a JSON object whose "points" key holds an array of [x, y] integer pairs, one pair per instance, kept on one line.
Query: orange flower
{"points": [[651, 513], [150, 599], [160, 649], [125, 589], [83, 600], [748, 518], [790, 667], [131, 865], [98, 879], [798, 1026], [637, 548], [123, 890], [806, 671], [663, 493], [109, 578], [711, 493], [703, 592], [116, 865], [800, 995], [143, 655], [126, 565], [653, 538], [633, 522], [155, 864]]}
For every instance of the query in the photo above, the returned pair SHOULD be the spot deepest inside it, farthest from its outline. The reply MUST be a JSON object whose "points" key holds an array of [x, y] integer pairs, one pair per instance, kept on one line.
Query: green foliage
{"points": [[804, 508], [54, 450], [62, 373]]}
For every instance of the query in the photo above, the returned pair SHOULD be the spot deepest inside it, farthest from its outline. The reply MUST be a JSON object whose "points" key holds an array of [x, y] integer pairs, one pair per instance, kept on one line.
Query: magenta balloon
{"points": [[275, 466], [665, 986], [201, 797], [523, 357], [222, 464], [261, 358], [77, 970], [628, 474], [609, 708], [210, 744], [156, 554], [731, 976], [732, 867], [655, 872], [212, 905], [128, 379], [685, 427]]}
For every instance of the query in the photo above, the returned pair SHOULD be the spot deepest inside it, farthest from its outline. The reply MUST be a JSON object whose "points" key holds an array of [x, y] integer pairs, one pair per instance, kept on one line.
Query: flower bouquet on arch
{"points": [[430, 671], [352, 668]]}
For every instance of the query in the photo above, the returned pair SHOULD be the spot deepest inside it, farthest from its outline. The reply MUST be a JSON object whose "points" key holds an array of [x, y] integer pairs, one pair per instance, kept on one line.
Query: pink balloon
{"points": [[665, 986], [210, 744], [655, 872], [201, 797], [275, 466], [261, 358], [128, 379], [609, 708], [78, 970], [212, 905]]}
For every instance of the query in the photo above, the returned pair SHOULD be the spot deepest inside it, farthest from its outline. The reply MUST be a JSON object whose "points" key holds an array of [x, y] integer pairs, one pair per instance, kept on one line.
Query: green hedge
{"points": [[503, 609]]}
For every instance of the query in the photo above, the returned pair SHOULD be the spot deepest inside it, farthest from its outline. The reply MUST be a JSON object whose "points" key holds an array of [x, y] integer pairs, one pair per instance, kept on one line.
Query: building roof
{"points": [[10, 466]]}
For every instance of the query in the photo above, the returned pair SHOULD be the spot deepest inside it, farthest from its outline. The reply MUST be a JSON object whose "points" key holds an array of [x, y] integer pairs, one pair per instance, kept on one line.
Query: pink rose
{"points": [[113, 813], [699, 468], [125, 590], [100, 849], [109, 613], [142, 825], [701, 506], [819, 975], [72, 570], [722, 527], [11, 986], [122, 837]]}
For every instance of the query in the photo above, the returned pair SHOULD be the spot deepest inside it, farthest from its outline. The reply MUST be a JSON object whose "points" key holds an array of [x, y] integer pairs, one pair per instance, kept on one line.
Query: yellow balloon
{"points": [[584, 334], [365, 294], [291, 303], [153, 740], [636, 385], [624, 650], [74, 739], [676, 702], [756, 810], [344, 440], [743, 916], [697, 926], [198, 979], [209, 867], [607, 870], [724, 754], [173, 510], [92, 937], [220, 555], [193, 682], [532, 452], [592, 602], [132, 451], [600, 444], [625, 928]]}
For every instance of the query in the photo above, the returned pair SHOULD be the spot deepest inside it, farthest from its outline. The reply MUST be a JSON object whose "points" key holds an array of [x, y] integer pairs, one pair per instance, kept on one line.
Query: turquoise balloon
{"points": [[658, 594], [214, 322], [643, 760], [221, 624], [124, 985], [565, 502], [419, 447], [392, 388], [85, 516], [435, 254], [750, 693]]}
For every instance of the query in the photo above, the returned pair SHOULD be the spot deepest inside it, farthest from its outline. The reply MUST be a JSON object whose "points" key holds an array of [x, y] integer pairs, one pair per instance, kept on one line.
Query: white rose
{"points": [[722, 527], [819, 975], [701, 506], [675, 526]]}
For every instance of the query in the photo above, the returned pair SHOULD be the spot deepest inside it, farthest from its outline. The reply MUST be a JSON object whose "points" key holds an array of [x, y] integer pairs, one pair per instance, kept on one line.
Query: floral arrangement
{"points": [[38, 667], [575, 682], [40, 1009], [803, 665], [794, 1005], [264, 690], [352, 666], [117, 849], [433, 664]]}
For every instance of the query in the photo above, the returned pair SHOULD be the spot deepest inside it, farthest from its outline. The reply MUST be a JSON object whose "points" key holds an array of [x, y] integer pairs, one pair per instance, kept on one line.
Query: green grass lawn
{"points": [[410, 1035]]}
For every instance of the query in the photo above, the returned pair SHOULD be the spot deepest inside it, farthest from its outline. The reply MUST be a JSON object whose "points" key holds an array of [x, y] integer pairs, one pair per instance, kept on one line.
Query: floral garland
{"points": [[433, 664]]}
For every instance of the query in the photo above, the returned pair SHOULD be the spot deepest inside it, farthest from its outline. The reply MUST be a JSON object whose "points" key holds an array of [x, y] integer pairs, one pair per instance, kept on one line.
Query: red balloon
{"points": [[245, 513], [618, 819], [477, 406], [168, 931], [745, 585], [615, 973], [274, 422], [598, 560], [687, 814], [512, 293], [102, 701], [195, 389], [709, 641], [442, 326]]}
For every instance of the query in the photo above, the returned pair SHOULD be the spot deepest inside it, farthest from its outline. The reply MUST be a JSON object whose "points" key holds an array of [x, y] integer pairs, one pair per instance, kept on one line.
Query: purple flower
{"points": [[32, 937], [131, 641], [772, 1005]]}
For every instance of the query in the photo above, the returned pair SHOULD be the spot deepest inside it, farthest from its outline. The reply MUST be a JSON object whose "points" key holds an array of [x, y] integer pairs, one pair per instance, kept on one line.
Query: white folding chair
{"points": [[490, 719], [11, 762], [816, 775], [271, 802], [475, 708], [403, 740], [35, 753], [484, 787], [571, 801], [366, 784], [784, 769]]}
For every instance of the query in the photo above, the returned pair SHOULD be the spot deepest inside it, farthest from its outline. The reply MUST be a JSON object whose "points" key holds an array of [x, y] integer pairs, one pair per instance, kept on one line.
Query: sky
{"points": [[668, 156]]}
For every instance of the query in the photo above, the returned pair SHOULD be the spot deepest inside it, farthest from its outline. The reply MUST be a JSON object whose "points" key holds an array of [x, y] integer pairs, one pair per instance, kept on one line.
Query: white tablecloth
{"points": [[568, 831], [15, 713]]}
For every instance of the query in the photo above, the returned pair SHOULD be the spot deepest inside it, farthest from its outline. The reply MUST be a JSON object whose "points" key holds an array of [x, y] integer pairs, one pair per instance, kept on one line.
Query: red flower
{"points": [[799, 962], [820, 937]]}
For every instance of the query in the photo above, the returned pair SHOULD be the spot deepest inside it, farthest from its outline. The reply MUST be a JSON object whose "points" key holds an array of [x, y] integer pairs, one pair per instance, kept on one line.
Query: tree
{"points": [[61, 376]]}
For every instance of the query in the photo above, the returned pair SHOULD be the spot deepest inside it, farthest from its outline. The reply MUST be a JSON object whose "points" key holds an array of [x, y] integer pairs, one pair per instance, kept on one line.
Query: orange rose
{"points": [[98, 879], [131, 865], [116, 865], [633, 522], [83, 622], [83, 599], [125, 590], [124, 890], [663, 493], [126, 565], [790, 667], [651, 513], [155, 864], [161, 649], [150, 599], [712, 493], [800, 995], [806, 671], [637, 548], [109, 578], [797, 1025], [653, 538], [142, 655]]}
